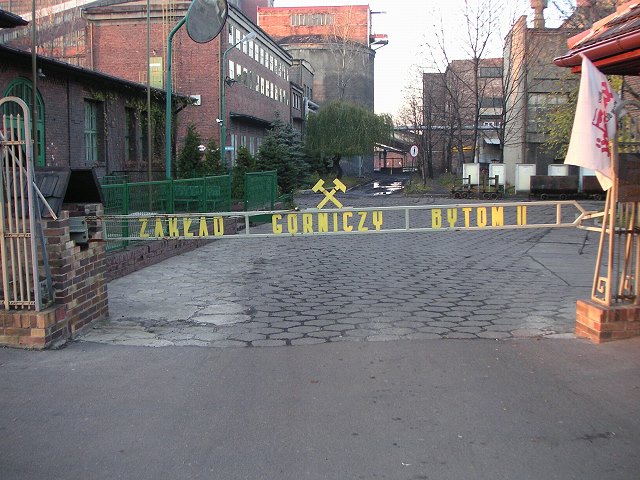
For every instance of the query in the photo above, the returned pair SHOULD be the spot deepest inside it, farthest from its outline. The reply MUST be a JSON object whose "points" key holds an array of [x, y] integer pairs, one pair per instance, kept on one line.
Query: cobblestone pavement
{"points": [[296, 291]]}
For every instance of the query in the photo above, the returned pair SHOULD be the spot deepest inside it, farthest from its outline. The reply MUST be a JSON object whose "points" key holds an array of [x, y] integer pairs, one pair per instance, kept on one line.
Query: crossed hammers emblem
{"points": [[330, 194]]}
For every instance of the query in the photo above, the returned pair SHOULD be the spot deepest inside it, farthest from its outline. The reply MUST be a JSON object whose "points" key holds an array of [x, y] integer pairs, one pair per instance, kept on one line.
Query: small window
{"points": [[232, 69]]}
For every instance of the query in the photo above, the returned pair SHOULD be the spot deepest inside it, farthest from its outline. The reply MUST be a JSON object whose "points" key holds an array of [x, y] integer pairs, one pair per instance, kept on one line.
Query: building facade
{"points": [[338, 42], [96, 35], [85, 119], [255, 72]]}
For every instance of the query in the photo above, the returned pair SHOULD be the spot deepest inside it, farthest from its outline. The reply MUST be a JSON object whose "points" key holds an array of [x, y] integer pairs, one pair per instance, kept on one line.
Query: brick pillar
{"points": [[80, 289], [600, 323]]}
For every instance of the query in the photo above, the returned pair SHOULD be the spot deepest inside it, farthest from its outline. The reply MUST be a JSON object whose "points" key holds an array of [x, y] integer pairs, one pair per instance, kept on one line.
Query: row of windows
{"points": [[256, 82], [258, 52], [311, 19]]}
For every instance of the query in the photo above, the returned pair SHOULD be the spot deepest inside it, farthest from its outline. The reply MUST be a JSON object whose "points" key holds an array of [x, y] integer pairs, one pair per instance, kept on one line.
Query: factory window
{"points": [[91, 130], [310, 19], [23, 89], [491, 102], [490, 72], [130, 148]]}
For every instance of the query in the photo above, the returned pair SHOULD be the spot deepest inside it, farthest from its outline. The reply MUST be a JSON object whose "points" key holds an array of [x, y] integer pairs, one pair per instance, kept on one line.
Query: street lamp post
{"points": [[223, 82]]}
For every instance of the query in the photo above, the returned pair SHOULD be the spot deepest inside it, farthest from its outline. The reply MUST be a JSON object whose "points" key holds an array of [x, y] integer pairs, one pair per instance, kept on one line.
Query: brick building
{"points": [[301, 76], [338, 42], [95, 34], [256, 72], [85, 119]]}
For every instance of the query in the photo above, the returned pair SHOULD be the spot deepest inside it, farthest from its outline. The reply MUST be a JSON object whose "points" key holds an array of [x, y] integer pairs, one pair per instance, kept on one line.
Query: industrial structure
{"points": [[337, 40]]}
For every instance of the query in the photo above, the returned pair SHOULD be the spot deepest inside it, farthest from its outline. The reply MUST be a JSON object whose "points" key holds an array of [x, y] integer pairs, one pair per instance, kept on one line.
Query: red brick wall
{"points": [[350, 22], [63, 95], [196, 71]]}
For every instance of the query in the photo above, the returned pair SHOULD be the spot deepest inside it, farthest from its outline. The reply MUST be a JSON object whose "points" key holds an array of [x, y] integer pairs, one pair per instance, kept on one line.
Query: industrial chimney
{"points": [[538, 12]]}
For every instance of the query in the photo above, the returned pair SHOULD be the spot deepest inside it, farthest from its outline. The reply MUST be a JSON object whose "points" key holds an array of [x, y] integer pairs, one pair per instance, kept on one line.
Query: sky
{"points": [[410, 26]]}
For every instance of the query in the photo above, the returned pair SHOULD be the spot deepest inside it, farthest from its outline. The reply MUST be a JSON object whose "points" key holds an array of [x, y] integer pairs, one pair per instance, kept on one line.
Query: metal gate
{"points": [[21, 236]]}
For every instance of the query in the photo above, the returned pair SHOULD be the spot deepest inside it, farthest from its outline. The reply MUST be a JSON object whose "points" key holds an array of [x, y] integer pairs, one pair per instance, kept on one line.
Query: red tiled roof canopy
{"points": [[612, 44]]}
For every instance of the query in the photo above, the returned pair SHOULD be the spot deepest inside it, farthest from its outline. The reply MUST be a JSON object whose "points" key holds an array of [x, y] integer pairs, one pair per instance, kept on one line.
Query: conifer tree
{"points": [[244, 163], [190, 158], [212, 163], [283, 151]]}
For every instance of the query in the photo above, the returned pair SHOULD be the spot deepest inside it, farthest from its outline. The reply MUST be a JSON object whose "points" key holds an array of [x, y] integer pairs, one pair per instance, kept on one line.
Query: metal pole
{"points": [[223, 120], [149, 143], [168, 112], [34, 75]]}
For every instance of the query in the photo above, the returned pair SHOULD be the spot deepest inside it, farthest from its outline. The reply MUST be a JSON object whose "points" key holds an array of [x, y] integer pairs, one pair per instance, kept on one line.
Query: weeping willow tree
{"points": [[341, 129]]}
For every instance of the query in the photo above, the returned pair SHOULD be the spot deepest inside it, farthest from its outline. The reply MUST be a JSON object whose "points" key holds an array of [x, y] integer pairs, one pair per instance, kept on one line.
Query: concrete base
{"points": [[600, 323]]}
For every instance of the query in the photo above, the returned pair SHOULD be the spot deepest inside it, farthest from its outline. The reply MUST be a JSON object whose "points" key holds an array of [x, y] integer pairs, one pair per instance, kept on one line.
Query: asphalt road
{"points": [[403, 356], [432, 409]]}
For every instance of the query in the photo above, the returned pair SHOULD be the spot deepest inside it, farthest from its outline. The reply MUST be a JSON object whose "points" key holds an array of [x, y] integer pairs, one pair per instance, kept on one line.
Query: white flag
{"points": [[594, 124]]}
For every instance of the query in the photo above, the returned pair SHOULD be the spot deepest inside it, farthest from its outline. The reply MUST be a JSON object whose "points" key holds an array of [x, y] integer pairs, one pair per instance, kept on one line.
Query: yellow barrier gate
{"points": [[348, 221]]}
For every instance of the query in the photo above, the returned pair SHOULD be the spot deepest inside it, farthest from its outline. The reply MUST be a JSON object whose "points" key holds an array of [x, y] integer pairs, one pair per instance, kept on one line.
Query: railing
{"points": [[356, 221], [21, 239], [617, 272]]}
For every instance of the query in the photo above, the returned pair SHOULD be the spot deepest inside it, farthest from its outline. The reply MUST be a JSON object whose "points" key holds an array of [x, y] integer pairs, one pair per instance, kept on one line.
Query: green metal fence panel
{"points": [[218, 193], [113, 179], [151, 197], [192, 195], [260, 190], [189, 195], [115, 203]]}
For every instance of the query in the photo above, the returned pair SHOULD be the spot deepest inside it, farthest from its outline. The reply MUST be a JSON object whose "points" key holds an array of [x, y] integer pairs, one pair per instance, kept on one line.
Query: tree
{"points": [[557, 119], [342, 129], [282, 150], [212, 164], [421, 115], [585, 14], [190, 158], [244, 163]]}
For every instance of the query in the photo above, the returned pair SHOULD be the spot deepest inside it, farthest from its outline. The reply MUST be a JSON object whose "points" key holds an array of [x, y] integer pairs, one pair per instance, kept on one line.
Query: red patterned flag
{"points": [[594, 124]]}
